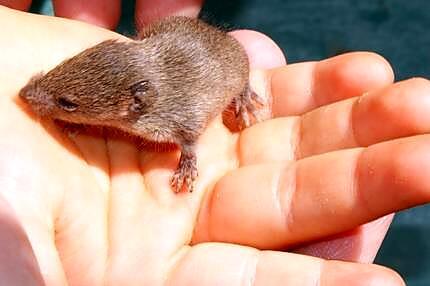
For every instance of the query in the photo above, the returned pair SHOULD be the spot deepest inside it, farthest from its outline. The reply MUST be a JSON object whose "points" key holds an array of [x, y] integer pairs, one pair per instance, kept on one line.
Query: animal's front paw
{"points": [[186, 173]]}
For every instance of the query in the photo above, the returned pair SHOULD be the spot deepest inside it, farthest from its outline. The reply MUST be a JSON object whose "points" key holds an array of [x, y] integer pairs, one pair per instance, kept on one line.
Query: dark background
{"points": [[314, 30]]}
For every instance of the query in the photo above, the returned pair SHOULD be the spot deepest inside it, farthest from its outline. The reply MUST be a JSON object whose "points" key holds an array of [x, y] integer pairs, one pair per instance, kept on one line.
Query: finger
{"points": [[82, 223], [18, 263], [126, 203], [403, 107], [22, 5], [299, 88], [359, 245], [127, 190], [148, 11], [149, 223], [262, 51], [103, 13], [350, 123], [224, 264], [145, 228], [281, 205]]}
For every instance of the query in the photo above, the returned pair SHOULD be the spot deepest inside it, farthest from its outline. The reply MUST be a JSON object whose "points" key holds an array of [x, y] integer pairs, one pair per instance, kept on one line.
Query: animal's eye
{"points": [[143, 92], [66, 104], [140, 87]]}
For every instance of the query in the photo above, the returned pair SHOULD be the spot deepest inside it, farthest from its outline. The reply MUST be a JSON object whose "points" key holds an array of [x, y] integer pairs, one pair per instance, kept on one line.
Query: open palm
{"points": [[96, 209]]}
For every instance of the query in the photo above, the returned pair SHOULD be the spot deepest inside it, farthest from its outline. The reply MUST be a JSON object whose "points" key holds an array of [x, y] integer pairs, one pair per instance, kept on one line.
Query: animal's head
{"points": [[102, 85]]}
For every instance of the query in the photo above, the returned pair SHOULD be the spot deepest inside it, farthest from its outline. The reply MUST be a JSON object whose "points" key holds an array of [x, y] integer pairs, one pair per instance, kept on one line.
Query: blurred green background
{"points": [[313, 30]]}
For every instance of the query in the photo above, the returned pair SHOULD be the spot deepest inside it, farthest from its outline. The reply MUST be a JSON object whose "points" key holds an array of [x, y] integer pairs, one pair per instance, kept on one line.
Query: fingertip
{"points": [[404, 105], [340, 273], [262, 51], [101, 13], [385, 276], [22, 5], [359, 245], [301, 87], [381, 67], [355, 72], [148, 11]]}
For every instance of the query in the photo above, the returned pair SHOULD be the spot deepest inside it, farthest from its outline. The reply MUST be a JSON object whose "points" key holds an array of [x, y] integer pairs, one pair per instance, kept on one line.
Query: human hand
{"points": [[362, 243], [97, 209]]}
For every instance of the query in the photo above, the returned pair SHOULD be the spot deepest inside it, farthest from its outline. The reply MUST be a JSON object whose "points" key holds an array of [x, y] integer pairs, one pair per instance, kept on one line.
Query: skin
{"points": [[107, 214]]}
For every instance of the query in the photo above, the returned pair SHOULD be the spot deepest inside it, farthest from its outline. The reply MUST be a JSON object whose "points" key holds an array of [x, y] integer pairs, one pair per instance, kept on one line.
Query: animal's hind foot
{"points": [[246, 107]]}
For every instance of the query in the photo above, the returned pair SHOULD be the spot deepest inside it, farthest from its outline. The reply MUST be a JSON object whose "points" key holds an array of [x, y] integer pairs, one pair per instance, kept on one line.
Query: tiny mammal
{"points": [[165, 87]]}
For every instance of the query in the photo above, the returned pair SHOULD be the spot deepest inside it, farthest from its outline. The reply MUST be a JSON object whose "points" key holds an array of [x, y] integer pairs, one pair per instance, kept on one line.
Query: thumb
{"points": [[18, 264]]}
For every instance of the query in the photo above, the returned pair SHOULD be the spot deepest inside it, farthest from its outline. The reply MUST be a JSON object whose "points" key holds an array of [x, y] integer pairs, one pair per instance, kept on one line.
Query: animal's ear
{"points": [[141, 93]]}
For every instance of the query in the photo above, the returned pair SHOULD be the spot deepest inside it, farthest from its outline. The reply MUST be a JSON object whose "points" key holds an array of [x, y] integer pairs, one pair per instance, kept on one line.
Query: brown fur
{"points": [[164, 87]]}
